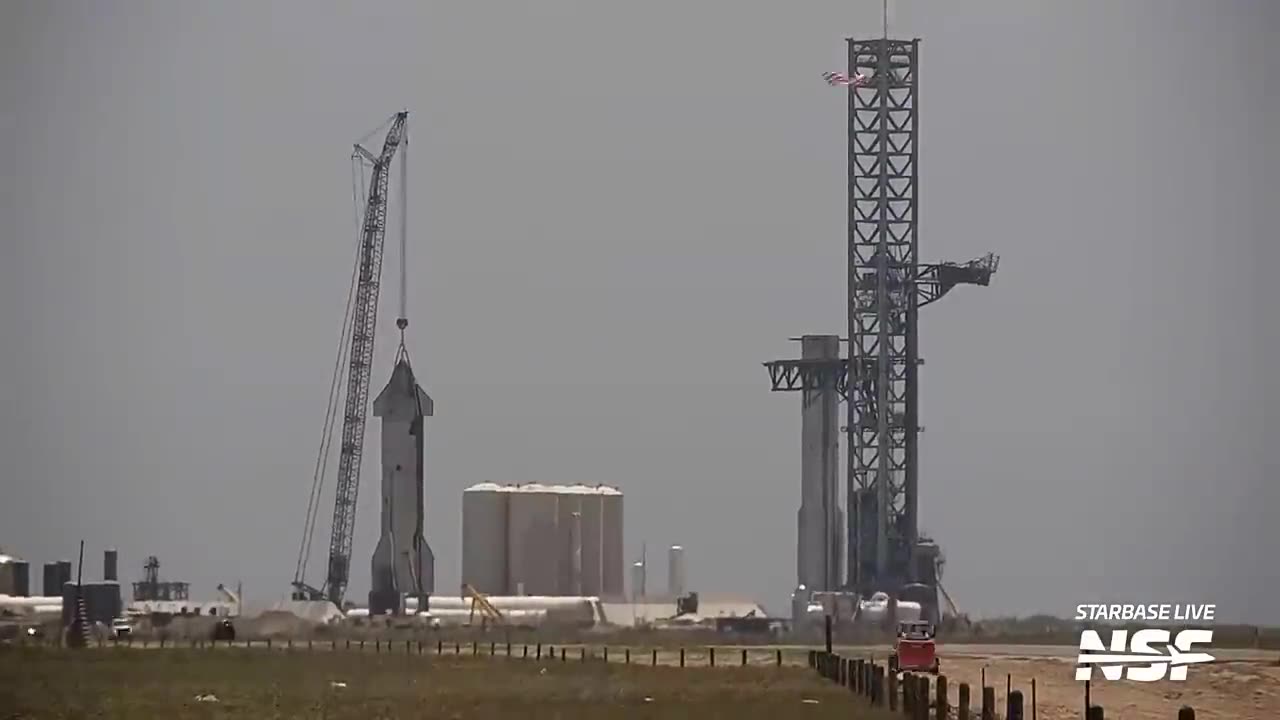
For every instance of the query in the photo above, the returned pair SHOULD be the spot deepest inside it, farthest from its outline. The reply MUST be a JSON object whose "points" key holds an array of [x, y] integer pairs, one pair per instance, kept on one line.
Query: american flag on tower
{"points": [[840, 79]]}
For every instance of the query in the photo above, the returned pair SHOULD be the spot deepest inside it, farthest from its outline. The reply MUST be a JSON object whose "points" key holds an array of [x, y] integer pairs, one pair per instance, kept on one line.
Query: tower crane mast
{"points": [[359, 345]]}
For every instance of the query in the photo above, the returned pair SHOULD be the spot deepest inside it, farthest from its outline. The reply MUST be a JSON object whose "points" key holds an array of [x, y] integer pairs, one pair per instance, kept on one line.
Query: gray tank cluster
{"points": [[546, 540]]}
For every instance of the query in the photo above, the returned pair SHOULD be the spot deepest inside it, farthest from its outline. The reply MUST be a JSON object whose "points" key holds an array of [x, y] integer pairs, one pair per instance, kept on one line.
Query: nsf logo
{"points": [[1148, 655], [1138, 658]]}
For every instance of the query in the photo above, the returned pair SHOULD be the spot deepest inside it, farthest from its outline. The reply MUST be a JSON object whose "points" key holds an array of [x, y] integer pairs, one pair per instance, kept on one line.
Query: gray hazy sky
{"points": [[619, 210]]}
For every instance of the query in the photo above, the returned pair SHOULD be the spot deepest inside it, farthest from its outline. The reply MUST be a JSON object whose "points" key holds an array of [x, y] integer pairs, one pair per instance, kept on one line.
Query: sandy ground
{"points": [[1244, 690]]}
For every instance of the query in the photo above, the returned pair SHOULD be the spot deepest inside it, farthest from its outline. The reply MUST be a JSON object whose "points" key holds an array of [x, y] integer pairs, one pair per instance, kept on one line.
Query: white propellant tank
{"points": [[543, 540], [613, 565], [598, 541], [875, 609], [579, 538], [534, 545], [22, 605], [675, 571], [809, 607], [484, 538], [579, 611]]}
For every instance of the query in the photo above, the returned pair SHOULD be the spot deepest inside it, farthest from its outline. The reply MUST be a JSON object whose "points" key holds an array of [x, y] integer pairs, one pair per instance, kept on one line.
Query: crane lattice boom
{"points": [[364, 320]]}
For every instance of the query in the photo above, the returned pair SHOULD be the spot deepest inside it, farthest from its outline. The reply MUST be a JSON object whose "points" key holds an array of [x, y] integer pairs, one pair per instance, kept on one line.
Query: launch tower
{"points": [[887, 287]]}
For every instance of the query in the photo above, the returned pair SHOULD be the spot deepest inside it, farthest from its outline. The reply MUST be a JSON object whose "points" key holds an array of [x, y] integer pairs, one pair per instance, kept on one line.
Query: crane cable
{"points": [[358, 187]]}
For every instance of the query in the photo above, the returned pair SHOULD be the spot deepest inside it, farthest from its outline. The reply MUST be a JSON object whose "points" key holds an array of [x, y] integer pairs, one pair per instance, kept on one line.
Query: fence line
{"points": [[683, 656], [919, 698]]}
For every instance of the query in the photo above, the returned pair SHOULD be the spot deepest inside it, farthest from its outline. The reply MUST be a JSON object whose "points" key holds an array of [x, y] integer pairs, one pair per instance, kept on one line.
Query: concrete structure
{"points": [[402, 561], [675, 571], [819, 521], [484, 538]]}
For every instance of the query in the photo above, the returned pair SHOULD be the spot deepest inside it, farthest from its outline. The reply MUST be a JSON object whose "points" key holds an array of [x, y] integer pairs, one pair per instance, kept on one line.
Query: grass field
{"points": [[121, 683]]}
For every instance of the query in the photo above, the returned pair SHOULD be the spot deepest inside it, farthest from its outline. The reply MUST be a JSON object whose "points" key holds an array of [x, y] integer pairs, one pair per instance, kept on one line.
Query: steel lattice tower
{"points": [[887, 287]]}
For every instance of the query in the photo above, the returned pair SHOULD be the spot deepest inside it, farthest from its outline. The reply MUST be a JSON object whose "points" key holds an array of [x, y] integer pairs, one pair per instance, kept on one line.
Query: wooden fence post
{"points": [[1095, 713], [922, 708], [892, 690], [1186, 713], [942, 701], [962, 708], [988, 703], [1015, 705]]}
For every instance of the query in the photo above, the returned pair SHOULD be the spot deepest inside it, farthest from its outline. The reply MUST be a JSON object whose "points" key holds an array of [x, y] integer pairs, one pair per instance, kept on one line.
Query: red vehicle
{"points": [[915, 649]]}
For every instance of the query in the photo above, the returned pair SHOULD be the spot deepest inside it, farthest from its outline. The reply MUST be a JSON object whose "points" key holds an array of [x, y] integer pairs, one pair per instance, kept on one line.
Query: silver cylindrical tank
{"points": [[588, 502], [675, 571], [484, 538], [505, 602], [110, 566], [534, 549], [818, 520], [799, 605], [21, 578], [8, 583], [613, 566], [52, 583], [637, 580], [568, 503]]}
